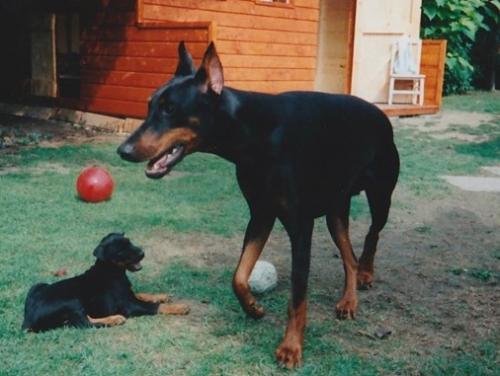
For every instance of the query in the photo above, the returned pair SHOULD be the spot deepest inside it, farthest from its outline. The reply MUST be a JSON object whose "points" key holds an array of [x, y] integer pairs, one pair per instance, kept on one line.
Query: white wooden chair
{"points": [[405, 66]]}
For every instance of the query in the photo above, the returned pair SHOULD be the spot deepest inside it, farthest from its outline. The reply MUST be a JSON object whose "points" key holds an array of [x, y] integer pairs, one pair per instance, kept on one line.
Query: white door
{"points": [[379, 23]]}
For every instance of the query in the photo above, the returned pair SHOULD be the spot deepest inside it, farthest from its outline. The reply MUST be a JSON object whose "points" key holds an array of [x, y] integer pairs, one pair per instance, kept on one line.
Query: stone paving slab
{"points": [[475, 183]]}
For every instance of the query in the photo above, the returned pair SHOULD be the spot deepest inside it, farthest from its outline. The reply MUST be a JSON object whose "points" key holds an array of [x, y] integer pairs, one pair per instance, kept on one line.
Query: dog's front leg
{"points": [[289, 352], [112, 320], [338, 225], [153, 298], [256, 235]]}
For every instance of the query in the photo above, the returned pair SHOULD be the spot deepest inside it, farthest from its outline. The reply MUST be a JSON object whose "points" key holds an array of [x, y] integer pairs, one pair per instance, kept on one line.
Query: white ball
{"points": [[264, 277]]}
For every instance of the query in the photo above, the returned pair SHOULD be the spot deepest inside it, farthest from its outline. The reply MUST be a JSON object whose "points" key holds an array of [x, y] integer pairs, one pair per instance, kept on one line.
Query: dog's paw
{"points": [[116, 320], [153, 298], [289, 354], [346, 308], [161, 298], [365, 279], [174, 309], [254, 310]]}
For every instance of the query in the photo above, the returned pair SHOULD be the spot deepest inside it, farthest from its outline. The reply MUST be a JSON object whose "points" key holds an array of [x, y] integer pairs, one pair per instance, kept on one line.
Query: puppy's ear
{"points": [[99, 252], [211, 75], [185, 67]]}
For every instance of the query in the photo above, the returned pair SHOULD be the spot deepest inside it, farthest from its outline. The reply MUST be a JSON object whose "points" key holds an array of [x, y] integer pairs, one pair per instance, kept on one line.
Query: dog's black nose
{"points": [[127, 152]]}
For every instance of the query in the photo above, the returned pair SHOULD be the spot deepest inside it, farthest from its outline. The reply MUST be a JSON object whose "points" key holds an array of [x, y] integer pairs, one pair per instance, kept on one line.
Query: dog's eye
{"points": [[169, 108]]}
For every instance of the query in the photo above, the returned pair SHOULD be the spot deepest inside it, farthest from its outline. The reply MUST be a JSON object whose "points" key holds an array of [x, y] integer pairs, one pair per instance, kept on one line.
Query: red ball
{"points": [[94, 184]]}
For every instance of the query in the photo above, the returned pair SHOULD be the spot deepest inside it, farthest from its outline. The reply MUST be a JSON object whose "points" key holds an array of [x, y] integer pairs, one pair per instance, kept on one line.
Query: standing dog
{"points": [[102, 296], [298, 156]]}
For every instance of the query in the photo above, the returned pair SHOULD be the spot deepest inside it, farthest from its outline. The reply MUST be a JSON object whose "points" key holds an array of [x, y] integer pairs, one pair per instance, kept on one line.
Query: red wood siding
{"points": [[123, 63], [263, 47], [129, 47]]}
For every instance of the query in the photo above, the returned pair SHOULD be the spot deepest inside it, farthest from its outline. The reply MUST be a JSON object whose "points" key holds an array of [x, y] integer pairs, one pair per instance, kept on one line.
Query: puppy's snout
{"points": [[141, 254]]}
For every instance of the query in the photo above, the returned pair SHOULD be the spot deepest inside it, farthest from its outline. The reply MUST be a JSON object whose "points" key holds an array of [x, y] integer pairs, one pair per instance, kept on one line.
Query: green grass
{"points": [[478, 101], [45, 227]]}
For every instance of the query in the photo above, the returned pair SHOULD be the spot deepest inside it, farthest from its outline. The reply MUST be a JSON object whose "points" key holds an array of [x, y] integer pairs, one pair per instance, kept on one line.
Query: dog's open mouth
{"points": [[135, 267], [163, 164]]}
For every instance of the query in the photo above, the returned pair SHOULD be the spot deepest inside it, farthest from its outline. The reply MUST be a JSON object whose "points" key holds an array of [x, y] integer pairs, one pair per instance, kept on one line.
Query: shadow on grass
{"points": [[488, 149], [256, 340]]}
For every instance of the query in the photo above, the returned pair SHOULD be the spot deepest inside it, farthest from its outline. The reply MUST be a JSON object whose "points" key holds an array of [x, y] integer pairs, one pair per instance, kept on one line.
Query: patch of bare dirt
{"points": [[39, 169], [417, 294], [20, 132], [443, 124]]}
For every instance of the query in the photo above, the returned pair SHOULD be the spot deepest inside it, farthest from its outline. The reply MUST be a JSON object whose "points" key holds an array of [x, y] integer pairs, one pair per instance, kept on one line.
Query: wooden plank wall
{"points": [[123, 63], [432, 65], [263, 47]]}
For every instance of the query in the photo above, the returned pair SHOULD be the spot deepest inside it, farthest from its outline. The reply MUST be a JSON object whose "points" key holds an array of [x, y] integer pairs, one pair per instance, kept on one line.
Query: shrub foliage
{"points": [[458, 21]]}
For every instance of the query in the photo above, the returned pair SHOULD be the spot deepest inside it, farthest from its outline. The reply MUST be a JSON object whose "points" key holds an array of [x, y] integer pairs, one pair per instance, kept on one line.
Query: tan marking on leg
{"points": [[347, 306], [174, 309], [249, 257], [153, 298], [112, 320]]}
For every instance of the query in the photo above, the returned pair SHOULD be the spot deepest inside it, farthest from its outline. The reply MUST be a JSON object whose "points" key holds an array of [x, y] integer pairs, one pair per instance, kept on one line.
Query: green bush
{"points": [[458, 21]]}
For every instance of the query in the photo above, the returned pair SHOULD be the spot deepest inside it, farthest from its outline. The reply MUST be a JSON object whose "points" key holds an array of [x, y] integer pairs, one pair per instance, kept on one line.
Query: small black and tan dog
{"points": [[102, 296]]}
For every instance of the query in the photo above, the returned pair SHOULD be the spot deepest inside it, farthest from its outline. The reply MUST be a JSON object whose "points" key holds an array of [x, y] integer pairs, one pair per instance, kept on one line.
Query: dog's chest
{"points": [[110, 298]]}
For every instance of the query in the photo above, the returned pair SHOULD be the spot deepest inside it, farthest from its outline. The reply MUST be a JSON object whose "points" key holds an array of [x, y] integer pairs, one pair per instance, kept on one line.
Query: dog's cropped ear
{"points": [[185, 67], [210, 74]]}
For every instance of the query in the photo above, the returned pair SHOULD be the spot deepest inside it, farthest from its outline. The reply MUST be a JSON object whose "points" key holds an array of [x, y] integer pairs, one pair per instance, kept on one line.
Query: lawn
{"points": [[191, 225]]}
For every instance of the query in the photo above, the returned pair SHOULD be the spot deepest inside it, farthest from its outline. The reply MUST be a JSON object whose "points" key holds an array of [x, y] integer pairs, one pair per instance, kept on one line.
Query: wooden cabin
{"points": [[110, 57]]}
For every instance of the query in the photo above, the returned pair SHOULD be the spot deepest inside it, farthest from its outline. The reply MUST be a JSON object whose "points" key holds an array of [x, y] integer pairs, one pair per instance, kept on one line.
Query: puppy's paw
{"points": [[153, 298], [116, 320], [174, 309], [161, 298]]}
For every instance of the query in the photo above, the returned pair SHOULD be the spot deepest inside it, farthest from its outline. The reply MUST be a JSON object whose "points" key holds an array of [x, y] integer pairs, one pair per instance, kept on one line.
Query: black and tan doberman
{"points": [[102, 296], [298, 156]]}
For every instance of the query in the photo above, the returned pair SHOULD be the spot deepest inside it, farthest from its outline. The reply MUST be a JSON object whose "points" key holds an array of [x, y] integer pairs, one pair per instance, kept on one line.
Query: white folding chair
{"points": [[405, 66]]}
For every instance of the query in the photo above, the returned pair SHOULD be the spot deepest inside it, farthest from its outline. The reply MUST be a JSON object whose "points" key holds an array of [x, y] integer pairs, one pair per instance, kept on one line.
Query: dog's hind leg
{"points": [[338, 226], [379, 202], [378, 191], [256, 235]]}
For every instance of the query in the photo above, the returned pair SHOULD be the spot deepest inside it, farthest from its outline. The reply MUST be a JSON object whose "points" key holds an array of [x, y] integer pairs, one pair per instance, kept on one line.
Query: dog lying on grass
{"points": [[102, 296]]}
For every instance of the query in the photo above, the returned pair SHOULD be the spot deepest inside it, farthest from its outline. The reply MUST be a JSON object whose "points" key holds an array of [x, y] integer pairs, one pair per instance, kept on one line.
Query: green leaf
{"points": [[430, 11]]}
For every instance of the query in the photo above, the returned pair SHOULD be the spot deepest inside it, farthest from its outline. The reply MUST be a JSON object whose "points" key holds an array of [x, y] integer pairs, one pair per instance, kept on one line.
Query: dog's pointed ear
{"points": [[210, 74], [99, 252], [185, 67]]}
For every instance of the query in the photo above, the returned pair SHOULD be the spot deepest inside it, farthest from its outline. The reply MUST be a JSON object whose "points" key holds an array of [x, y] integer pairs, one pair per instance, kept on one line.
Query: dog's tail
{"points": [[29, 306]]}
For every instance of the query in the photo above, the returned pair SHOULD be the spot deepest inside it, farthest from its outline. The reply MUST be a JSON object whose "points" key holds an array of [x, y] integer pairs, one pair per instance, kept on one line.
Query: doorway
{"points": [[68, 54], [335, 46]]}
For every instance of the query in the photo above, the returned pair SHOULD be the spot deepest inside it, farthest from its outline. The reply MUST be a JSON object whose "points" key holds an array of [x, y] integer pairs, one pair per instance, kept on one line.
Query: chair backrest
{"points": [[405, 56]]}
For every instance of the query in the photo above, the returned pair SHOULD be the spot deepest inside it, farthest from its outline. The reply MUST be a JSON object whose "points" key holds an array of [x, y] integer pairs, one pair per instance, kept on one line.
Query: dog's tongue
{"points": [[165, 163], [161, 164]]}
